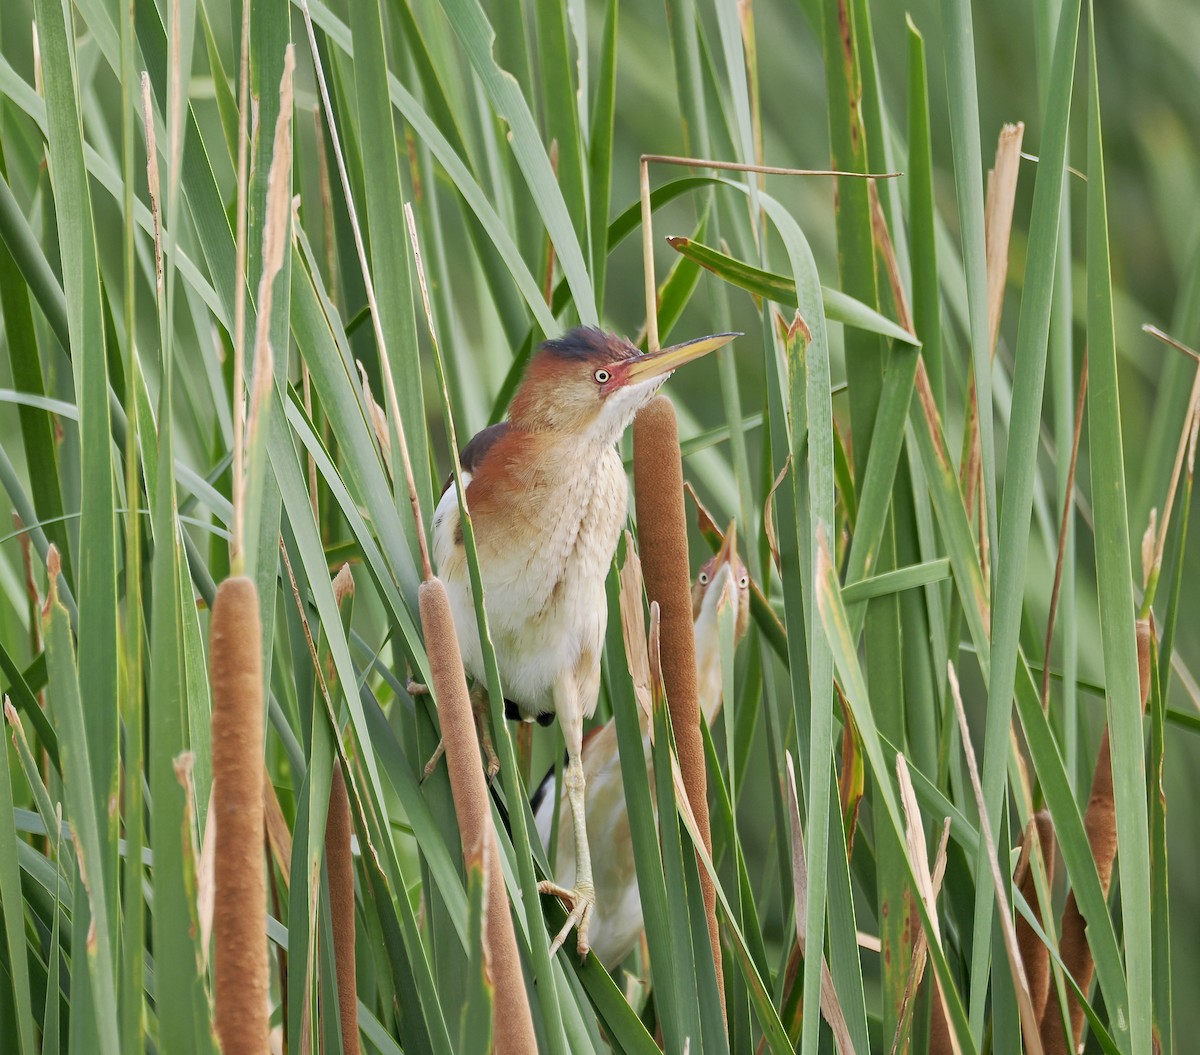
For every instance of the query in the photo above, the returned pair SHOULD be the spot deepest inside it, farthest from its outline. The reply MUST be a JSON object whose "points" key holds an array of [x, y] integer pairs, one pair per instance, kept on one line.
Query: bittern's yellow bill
{"points": [[655, 364]]}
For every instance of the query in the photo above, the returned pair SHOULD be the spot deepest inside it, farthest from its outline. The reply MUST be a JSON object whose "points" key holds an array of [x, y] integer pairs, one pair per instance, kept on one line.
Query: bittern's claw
{"points": [[435, 758], [483, 726], [581, 900]]}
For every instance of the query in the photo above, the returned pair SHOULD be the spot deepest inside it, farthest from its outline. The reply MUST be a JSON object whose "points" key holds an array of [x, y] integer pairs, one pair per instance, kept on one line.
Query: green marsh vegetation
{"points": [[212, 364]]}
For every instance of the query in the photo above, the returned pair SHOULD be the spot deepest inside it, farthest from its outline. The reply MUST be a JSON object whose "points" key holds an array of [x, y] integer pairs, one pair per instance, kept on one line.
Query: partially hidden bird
{"points": [[618, 920], [547, 494]]}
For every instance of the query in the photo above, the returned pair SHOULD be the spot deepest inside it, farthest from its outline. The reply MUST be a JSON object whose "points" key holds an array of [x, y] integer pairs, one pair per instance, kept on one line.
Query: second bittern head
{"points": [[723, 576], [591, 383]]}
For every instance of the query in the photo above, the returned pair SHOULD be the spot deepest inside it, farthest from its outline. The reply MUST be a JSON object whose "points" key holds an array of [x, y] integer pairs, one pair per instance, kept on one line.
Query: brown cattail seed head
{"points": [[941, 1042], [513, 1024], [240, 916], [662, 537], [341, 902], [1145, 637]]}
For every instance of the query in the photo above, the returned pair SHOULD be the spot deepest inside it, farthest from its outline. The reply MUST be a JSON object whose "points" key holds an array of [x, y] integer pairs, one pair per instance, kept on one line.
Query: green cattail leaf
{"points": [[1115, 582]]}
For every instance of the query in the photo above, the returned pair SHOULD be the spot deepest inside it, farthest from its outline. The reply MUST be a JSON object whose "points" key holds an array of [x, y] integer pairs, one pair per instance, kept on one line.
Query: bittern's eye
{"points": [[602, 376], [704, 578], [743, 582]]}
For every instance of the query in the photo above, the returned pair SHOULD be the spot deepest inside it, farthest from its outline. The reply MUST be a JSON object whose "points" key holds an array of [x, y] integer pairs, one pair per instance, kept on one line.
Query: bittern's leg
{"points": [[479, 707], [568, 706], [417, 688], [483, 725]]}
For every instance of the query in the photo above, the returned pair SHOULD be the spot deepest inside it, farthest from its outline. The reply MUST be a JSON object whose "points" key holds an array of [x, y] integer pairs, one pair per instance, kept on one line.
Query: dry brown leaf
{"points": [[279, 838], [883, 240], [152, 181], [998, 215], [1149, 538], [705, 521], [633, 630], [920, 957]]}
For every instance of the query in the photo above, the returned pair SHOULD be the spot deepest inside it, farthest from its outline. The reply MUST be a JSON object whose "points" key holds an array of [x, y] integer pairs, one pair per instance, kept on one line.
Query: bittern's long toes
{"points": [[434, 759], [417, 688], [581, 901], [490, 756]]}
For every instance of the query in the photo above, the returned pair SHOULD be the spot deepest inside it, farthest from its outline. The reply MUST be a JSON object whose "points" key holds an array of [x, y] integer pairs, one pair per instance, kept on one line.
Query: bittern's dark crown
{"points": [[568, 379]]}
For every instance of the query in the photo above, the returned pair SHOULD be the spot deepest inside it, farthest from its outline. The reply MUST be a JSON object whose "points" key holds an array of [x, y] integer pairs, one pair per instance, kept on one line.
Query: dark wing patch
{"points": [[473, 453]]}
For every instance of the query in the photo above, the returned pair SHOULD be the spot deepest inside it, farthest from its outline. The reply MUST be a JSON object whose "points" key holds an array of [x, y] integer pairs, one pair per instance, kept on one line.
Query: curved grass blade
{"points": [[839, 306], [1115, 582], [23, 245], [896, 580]]}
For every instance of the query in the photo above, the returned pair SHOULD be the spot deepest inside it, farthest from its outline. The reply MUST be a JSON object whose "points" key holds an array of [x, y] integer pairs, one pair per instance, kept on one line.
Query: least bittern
{"points": [[618, 920], [547, 494]]}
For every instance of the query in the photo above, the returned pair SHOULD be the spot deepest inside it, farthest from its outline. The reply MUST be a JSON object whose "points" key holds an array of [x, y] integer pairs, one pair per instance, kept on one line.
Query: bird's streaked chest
{"points": [[562, 530], [545, 544]]}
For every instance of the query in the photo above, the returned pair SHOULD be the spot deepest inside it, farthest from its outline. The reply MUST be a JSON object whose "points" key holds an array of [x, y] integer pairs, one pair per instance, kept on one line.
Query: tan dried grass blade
{"points": [[928, 888], [998, 215], [1029, 1022], [633, 631], [831, 1007]]}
